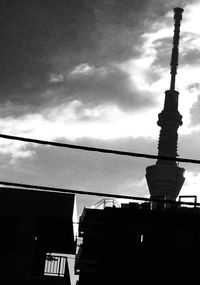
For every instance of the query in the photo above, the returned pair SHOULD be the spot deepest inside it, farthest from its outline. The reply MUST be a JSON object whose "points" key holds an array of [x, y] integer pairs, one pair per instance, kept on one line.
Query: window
{"points": [[55, 264]]}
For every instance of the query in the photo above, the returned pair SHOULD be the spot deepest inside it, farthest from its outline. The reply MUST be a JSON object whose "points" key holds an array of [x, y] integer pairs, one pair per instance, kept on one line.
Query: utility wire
{"points": [[23, 187], [62, 190], [102, 150]]}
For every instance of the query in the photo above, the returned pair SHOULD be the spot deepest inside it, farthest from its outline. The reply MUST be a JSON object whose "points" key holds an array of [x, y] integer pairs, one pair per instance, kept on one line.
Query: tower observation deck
{"points": [[165, 178]]}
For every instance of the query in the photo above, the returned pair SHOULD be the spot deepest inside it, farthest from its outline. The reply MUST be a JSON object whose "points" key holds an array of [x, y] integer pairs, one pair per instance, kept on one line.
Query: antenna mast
{"points": [[174, 57]]}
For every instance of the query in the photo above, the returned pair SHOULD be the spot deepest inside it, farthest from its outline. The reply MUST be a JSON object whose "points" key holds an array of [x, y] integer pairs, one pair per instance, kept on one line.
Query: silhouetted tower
{"points": [[165, 179]]}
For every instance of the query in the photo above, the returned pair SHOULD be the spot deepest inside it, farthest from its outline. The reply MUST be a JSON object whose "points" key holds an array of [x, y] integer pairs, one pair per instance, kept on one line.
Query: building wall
{"points": [[139, 245], [33, 224]]}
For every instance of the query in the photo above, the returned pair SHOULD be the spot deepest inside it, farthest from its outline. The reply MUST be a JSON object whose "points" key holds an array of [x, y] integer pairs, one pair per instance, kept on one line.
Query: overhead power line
{"points": [[69, 191], [102, 150], [22, 187]]}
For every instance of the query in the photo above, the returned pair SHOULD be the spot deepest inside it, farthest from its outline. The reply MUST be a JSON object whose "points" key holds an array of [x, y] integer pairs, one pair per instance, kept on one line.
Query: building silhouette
{"points": [[154, 242], [143, 243], [36, 235]]}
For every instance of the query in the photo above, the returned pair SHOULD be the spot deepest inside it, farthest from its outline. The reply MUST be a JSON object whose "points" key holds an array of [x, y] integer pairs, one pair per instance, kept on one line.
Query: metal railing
{"points": [[55, 265], [106, 202]]}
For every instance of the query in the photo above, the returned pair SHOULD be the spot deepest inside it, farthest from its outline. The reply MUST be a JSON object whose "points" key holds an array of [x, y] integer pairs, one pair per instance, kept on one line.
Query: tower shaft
{"points": [[169, 120], [165, 179]]}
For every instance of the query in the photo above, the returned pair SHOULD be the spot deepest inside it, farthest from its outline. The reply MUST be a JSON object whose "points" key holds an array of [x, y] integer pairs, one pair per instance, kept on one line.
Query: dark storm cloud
{"points": [[106, 85], [40, 37], [163, 47], [109, 31], [24, 38]]}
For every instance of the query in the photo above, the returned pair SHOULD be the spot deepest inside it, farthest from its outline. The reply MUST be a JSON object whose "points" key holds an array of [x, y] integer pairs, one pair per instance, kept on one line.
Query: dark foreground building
{"points": [[147, 243], [156, 242], [36, 234]]}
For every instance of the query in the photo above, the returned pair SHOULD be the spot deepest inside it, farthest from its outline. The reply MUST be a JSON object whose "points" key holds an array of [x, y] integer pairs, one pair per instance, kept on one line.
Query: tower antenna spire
{"points": [[165, 178], [174, 57]]}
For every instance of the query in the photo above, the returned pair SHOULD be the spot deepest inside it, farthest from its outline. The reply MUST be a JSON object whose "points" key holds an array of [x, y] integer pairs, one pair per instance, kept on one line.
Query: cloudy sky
{"points": [[94, 73]]}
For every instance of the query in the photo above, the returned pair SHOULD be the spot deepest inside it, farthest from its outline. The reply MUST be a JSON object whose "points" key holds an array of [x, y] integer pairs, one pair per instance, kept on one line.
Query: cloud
{"points": [[191, 185], [76, 169], [83, 170], [195, 86], [42, 38], [191, 57], [188, 50], [74, 121], [194, 112], [188, 147], [107, 85], [159, 38], [91, 85], [54, 78], [162, 49], [15, 110]]}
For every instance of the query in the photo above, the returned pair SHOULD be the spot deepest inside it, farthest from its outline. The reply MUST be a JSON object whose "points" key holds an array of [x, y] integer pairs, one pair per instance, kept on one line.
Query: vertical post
{"points": [[59, 267]]}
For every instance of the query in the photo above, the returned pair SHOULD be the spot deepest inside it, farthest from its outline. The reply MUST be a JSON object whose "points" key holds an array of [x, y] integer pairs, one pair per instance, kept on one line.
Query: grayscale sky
{"points": [[94, 73]]}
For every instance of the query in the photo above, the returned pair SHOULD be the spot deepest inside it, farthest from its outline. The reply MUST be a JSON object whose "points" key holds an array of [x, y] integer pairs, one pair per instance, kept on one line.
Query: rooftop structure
{"points": [[137, 243]]}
